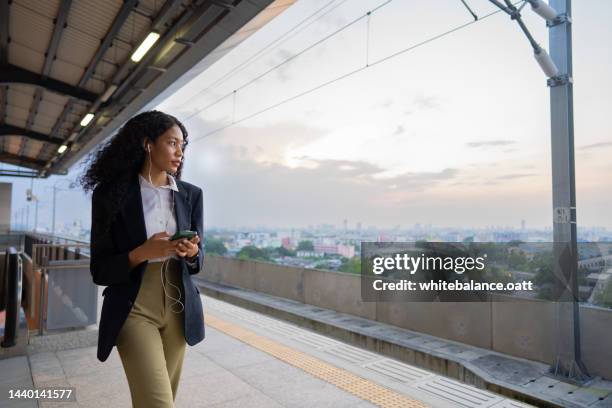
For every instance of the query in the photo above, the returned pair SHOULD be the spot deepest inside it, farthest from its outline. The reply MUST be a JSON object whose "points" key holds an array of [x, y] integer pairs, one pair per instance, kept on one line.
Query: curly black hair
{"points": [[111, 167]]}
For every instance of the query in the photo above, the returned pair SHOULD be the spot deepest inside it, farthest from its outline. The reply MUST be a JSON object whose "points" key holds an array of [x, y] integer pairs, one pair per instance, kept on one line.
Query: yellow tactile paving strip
{"points": [[349, 382]]}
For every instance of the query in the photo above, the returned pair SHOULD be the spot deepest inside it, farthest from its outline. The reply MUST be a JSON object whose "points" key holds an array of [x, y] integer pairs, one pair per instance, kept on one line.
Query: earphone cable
{"points": [[165, 262]]}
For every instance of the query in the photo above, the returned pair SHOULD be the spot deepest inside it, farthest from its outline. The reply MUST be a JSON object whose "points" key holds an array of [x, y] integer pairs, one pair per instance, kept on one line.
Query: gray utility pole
{"points": [[35, 214], [72, 185], [558, 67], [568, 357], [53, 220]]}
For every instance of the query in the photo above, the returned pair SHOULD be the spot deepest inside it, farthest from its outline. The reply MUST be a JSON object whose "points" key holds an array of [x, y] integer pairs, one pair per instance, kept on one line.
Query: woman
{"points": [[151, 307]]}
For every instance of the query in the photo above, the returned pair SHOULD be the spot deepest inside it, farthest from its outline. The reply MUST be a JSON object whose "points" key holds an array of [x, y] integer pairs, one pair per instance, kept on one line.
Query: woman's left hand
{"points": [[188, 248]]}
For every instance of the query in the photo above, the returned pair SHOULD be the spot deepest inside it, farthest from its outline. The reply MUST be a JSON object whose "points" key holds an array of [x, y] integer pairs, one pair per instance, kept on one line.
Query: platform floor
{"points": [[249, 359]]}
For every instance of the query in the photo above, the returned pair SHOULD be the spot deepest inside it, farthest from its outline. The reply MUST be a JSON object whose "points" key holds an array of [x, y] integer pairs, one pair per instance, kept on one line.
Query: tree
{"points": [[305, 246], [282, 251], [545, 278], [352, 265], [517, 260], [497, 274], [253, 253], [214, 246], [604, 297]]}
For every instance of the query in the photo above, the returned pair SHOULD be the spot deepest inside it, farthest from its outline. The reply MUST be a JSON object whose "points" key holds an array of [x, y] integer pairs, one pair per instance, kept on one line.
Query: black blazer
{"points": [[109, 264]]}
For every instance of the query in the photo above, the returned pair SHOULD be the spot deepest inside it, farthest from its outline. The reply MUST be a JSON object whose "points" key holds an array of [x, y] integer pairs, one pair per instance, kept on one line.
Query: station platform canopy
{"points": [[73, 71]]}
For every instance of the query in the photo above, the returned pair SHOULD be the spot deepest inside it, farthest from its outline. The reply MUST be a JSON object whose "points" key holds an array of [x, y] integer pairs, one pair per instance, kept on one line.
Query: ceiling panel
{"points": [[33, 148], [42, 125], [30, 28], [21, 97], [56, 99], [16, 115], [13, 144], [81, 12], [45, 8], [25, 57], [77, 48], [65, 72], [135, 29]]}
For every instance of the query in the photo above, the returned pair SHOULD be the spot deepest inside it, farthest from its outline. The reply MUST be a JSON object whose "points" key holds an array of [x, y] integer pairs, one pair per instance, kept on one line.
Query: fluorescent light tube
{"points": [[86, 119], [144, 47], [109, 91]]}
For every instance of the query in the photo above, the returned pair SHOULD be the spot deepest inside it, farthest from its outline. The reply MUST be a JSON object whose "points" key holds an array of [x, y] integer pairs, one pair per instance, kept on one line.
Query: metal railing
{"points": [[13, 270], [12, 239], [41, 259], [55, 240]]}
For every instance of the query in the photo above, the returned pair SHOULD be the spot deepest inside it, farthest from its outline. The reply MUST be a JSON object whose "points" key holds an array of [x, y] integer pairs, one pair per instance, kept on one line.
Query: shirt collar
{"points": [[171, 182]]}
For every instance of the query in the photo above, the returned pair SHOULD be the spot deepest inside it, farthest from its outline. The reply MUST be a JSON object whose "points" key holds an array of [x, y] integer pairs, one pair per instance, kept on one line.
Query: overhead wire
{"points": [[341, 77], [289, 34], [291, 58]]}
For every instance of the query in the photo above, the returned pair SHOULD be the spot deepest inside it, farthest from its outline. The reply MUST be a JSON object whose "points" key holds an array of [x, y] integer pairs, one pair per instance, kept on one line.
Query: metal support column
{"points": [[568, 362]]}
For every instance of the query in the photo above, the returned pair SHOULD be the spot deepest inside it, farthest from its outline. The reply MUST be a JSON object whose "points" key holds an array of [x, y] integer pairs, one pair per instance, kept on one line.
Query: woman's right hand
{"points": [[157, 246]]}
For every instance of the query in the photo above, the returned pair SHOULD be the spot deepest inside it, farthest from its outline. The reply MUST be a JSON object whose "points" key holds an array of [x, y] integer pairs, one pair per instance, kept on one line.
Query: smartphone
{"points": [[183, 234]]}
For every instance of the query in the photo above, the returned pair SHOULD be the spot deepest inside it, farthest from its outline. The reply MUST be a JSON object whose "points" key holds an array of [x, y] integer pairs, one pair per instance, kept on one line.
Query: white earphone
{"points": [[164, 264], [149, 150], [176, 300]]}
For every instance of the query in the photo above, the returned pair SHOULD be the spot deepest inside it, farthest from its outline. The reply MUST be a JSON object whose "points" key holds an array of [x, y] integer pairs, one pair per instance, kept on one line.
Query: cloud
{"points": [[420, 102], [269, 141], [384, 104], [242, 190], [344, 169], [490, 143], [595, 146], [364, 172], [418, 181], [283, 55], [387, 103], [282, 71], [331, 21], [515, 176], [427, 102], [400, 129]]}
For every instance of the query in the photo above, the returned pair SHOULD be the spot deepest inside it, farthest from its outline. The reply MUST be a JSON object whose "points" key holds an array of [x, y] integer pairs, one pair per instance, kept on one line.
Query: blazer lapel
{"points": [[133, 213], [181, 207]]}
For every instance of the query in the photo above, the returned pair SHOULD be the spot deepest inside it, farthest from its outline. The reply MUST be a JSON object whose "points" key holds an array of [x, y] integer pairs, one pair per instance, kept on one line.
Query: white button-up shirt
{"points": [[158, 209]]}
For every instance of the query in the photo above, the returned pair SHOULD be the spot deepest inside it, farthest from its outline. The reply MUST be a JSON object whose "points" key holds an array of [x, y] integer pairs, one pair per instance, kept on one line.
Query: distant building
{"points": [[347, 251], [596, 263], [340, 249], [326, 249], [506, 236], [286, 243], [307, 254]]}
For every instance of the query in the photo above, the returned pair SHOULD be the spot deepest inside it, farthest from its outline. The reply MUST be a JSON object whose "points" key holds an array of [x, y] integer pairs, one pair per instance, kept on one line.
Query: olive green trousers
{"points": [[151, 342]]}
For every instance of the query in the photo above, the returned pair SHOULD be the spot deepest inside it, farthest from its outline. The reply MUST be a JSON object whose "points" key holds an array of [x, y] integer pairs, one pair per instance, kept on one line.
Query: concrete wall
{"points": [[525, 328], [596, 325], [6, 192]]}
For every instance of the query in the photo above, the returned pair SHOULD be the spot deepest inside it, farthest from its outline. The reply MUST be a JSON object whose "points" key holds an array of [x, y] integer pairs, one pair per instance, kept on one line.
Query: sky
{"points": [[455, 132]]}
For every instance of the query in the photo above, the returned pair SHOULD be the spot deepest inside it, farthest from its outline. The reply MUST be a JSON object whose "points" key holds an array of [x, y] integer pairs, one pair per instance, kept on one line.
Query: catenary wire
{"points": [[341, 77]]}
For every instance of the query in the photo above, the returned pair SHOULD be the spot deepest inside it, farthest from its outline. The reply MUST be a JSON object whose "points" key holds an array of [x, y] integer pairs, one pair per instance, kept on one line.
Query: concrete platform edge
{"points": [[441, 364]]}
